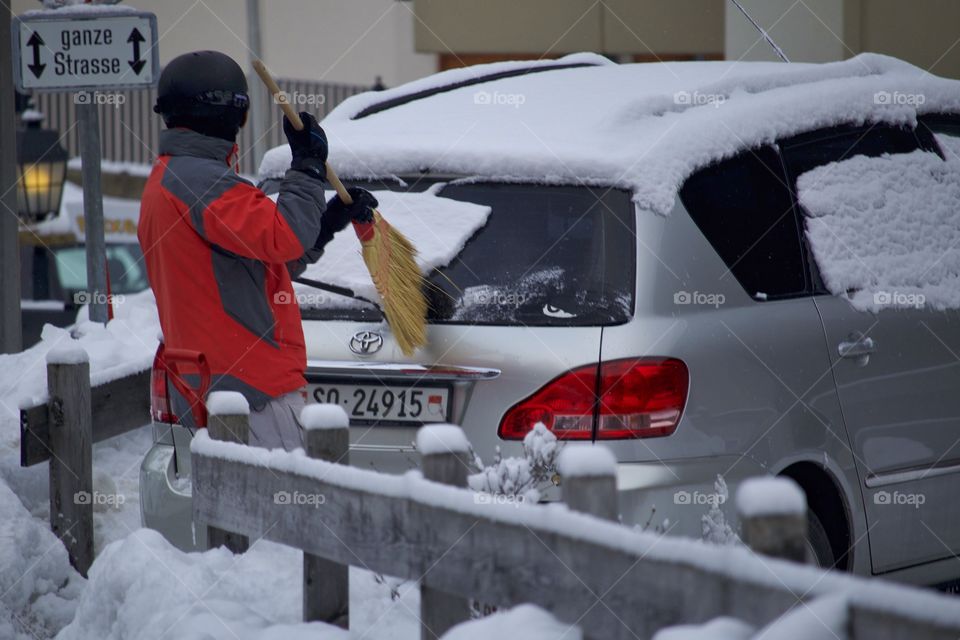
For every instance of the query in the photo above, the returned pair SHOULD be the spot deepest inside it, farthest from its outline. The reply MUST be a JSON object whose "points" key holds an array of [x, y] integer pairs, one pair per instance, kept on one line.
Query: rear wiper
{"points": [[333, 288]]}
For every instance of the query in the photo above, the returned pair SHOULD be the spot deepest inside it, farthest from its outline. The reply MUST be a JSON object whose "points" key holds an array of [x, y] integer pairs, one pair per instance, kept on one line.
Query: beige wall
{"points": [[923, 32], [565, 26], [349, 41], [809, 31]]}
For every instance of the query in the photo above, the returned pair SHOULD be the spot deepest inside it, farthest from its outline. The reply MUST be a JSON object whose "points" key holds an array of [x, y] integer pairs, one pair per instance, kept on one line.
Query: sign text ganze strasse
{"points": [[75, 51]]}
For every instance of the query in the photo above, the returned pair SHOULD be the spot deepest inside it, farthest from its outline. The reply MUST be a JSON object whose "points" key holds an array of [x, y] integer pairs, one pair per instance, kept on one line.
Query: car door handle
{"points": [[857, 347]]}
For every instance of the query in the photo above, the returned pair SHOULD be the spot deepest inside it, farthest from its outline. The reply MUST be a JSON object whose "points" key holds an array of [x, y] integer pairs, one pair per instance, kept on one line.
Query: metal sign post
{"points": [[87, 52]]}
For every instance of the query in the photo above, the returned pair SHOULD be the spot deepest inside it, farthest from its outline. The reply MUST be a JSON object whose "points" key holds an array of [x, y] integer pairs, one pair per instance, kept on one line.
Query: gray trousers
{"points": [[277, 425]]}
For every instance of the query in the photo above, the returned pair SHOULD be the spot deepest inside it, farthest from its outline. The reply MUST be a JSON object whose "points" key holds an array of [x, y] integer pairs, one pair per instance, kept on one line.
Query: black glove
{"points": [[309, 146], [338, 214]]}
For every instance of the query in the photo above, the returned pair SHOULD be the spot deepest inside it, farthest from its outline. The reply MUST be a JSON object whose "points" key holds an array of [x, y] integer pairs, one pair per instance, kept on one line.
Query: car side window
{"points": [[811, 150], [807, 151], [744, 209]]}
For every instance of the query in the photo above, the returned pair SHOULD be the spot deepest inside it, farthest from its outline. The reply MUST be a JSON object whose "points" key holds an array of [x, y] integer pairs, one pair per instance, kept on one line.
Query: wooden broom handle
{"points": [[281, 98]]}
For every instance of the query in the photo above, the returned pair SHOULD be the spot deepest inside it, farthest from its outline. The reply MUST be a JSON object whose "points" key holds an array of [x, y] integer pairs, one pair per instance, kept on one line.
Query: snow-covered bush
{"points": [[524, 478], [716, 529]]}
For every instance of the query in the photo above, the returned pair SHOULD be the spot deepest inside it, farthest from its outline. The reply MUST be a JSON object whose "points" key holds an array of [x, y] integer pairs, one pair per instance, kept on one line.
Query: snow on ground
{"points": [[643, 127], [533, 622], [38, 587], [908, 203]]}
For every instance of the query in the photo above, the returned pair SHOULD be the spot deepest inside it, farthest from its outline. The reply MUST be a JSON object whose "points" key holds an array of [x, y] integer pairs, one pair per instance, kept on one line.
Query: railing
{"points": [[612, 581], [130, 128], [63, 429]]}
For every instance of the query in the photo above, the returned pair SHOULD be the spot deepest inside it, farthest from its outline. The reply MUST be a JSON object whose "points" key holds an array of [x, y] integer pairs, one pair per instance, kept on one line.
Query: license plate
{"points": [[371, 404]]}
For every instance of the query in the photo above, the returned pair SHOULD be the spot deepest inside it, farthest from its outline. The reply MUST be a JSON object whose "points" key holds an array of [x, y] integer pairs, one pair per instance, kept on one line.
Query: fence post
{"points": [[773, 517], [445, 458], [71, 446], [228, 419], [589, 480], [326, 584]]}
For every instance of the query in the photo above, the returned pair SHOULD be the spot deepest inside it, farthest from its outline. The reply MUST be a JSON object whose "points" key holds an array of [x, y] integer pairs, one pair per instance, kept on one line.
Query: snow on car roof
{"points": [[642, 127]]}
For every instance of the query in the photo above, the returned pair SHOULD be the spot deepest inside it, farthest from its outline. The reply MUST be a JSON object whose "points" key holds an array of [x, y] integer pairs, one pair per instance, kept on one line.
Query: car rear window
{"points": [[547, 256]]}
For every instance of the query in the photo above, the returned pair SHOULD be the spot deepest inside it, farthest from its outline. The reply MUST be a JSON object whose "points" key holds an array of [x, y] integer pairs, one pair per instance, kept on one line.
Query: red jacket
{"points": [[217, 253]]}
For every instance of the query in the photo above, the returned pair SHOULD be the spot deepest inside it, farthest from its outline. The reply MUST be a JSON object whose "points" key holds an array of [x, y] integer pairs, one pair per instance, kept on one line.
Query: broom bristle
{"points": [[391, 260]]}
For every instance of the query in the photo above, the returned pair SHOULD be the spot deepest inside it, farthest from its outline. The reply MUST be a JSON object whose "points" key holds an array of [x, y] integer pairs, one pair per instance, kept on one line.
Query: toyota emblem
{"points": [[365, 343]]}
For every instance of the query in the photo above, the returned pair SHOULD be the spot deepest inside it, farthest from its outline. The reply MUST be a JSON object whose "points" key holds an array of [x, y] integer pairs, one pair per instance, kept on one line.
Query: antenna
{"points": [[764, 34]]}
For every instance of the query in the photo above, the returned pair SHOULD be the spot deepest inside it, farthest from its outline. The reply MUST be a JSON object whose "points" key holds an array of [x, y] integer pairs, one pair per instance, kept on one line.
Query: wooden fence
{"points": [[609, 579], [63, 430]]}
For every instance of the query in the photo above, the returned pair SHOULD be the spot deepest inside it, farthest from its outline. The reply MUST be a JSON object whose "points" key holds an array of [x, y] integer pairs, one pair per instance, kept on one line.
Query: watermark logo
{"points": [[300, 99], [697, 99], [286, 498], [300, 298], [81, 298], [699, 298], [497, 98], [698, 498], [898, 98], [497, 498], [114, 100], [884, 498], [899, 299], [99, 499], [496, 297]]}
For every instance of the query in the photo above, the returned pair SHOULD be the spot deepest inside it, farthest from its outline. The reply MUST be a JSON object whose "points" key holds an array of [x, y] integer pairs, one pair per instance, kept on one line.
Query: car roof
{"points": [[585, 120]]}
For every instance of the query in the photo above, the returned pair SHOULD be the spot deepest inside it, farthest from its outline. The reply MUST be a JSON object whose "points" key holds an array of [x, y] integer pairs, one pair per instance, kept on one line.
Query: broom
{"points": [[388, 254]]}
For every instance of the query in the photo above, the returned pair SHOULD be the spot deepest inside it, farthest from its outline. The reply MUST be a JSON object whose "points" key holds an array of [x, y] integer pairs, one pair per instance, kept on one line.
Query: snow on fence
{"points": [[63, 430], [611, 580]]}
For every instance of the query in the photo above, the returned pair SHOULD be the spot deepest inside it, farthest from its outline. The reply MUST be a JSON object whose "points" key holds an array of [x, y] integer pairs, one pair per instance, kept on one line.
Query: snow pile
{"points": [[580, 460], [642, 127], [437, 439], [716, 629], [120, 217], [524, 621], [885, 228], [227, 403], [324, 416], [142, 587], [438, 227], [38, 587], [67, 353], [770, 497]]}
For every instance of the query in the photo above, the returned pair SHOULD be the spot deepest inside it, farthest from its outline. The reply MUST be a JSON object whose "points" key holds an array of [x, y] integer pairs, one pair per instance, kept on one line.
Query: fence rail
{"points": [[610, 580], [130, 129]]}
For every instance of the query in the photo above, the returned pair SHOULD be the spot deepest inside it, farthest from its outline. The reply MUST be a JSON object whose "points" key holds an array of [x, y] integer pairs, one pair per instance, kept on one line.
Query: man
{"points": [[220, 254]]}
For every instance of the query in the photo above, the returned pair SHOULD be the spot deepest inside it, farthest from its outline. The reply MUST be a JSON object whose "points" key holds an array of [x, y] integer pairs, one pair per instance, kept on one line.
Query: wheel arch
{"points": [[826, 499]]}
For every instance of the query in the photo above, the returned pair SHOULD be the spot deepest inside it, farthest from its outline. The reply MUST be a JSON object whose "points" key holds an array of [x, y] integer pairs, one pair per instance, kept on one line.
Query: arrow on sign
{"points": [[36, 42], [136, 38]]}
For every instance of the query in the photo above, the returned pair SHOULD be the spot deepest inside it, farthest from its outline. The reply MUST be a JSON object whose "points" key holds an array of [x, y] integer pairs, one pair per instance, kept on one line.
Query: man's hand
{"points": [[338, 214], [309, 146]]}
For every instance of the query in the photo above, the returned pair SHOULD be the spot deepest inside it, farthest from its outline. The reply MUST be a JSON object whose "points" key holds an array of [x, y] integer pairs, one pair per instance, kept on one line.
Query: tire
{"points": [[819, 551]]}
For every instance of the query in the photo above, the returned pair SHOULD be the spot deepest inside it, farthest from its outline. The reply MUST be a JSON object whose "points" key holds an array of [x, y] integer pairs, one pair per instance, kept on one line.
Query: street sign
{"points": [[85, 50]]}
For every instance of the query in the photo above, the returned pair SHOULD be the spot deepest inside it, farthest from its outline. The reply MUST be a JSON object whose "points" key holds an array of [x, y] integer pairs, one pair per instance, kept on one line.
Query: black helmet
{"points": [[202, 86]]}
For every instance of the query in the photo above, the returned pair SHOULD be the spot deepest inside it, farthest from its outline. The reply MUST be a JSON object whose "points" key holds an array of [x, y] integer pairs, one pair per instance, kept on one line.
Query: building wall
{"points": [[334, 40], [923, 32], [553, 27]]}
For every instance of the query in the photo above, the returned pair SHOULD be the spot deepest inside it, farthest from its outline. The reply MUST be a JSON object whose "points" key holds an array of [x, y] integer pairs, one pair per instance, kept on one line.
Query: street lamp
{"points": [[41, 169]]}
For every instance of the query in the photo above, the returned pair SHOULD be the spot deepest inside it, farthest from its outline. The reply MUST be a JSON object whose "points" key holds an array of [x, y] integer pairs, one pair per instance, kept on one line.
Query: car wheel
{"points": [[819, 551]]}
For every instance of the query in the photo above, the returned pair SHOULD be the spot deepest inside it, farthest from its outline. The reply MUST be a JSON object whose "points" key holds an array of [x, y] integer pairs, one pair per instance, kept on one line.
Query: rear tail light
{"points": [[168, 369], [616, 400]]}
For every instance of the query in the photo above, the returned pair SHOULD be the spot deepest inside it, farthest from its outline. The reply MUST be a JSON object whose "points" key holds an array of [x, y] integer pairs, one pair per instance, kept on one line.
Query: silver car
{"points": [[697, 345]]}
